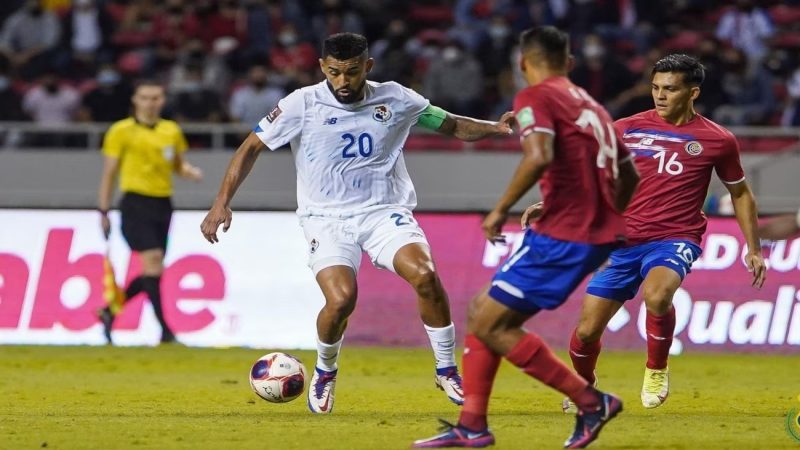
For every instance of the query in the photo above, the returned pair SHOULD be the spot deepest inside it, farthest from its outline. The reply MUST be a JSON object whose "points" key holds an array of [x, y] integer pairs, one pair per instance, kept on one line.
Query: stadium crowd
{"points": [[231, 60]]}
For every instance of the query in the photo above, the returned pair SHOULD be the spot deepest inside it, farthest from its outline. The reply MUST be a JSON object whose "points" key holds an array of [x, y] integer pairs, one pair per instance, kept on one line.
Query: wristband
{"points": [[103, 212]]}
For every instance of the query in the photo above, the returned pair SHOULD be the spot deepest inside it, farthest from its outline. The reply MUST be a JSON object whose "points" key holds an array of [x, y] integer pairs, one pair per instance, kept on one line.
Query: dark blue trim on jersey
{"points": [[671, 134], [258, 129], [641, 152]]}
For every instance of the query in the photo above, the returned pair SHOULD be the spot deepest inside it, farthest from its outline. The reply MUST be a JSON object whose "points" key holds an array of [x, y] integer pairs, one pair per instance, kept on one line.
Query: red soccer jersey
{"points": [[675, 164], [578, 186]]}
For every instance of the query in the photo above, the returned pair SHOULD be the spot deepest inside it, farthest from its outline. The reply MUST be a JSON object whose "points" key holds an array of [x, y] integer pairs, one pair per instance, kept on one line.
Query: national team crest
{"points": [[693, 148], [382, 113]]}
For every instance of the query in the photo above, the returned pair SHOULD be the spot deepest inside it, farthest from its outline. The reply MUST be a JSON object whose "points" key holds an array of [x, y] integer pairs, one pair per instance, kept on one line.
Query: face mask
{"points": [[498, 31], [192, 86], [4, 83], [107, 78], [450, 54], [287, 39], [593, 51]]}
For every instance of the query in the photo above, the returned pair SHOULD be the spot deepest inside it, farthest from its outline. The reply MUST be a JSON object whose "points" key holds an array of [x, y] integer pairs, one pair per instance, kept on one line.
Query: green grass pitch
{"points": [[186, 398]]}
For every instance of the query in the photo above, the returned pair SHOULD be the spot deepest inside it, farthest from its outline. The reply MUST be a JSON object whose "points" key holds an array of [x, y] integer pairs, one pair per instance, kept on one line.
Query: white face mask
{"points": [[4, 83], [593, 51], [450, 54], [287, 39]]}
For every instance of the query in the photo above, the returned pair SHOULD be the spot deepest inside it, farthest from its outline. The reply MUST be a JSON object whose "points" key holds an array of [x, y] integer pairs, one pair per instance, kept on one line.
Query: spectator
{"points": [[454, 82], [194, 102], [251, 102], [791, 113], [395, 63], [746, 27], [87, 34], [336, 17], [749, 96], [110, 100], [495, 46], [10, 100], [215, 73], [712, 95], [603, 77], [51, 102], [29, 39], [293, 58], [173, 29], [222, 19]]}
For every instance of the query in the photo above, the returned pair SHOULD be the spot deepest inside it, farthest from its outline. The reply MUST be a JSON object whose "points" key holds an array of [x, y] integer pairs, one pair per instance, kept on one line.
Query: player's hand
{"points": [[492, 225], [105, 225], [193, 173], [217, 215], [531, 214], [505, 123], [755, 263]]}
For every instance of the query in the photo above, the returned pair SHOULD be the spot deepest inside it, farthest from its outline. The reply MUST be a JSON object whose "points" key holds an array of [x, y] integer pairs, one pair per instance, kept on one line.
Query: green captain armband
{"points": [[432, 117]]}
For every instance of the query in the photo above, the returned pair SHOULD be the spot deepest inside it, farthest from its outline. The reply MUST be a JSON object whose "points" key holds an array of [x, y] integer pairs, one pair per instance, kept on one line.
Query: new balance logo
{"points": [[330, 121]]}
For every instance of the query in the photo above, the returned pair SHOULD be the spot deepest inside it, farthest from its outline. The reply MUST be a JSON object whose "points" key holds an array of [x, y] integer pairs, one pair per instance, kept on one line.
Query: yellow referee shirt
{"points": [[147, 155]]}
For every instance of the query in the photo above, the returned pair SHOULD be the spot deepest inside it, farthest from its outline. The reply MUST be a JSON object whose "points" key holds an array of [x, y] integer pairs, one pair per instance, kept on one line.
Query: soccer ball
{"points": [[278, 377]]}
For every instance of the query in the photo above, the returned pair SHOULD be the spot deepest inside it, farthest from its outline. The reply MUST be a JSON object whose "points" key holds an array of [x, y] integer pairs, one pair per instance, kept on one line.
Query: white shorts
{"points": [[339, 242]]}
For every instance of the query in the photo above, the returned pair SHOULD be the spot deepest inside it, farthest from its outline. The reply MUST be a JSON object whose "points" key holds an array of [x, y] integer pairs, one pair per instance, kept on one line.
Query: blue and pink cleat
{"points": [[456, 436], [589, 424]]}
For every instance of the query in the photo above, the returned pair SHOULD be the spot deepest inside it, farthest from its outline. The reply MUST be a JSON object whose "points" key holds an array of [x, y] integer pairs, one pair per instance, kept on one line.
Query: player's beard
{"points": [[353, 97]]}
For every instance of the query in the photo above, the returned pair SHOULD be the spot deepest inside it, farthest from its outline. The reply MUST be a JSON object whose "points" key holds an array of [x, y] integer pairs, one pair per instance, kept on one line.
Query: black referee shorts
{"points": [[145, 221]]}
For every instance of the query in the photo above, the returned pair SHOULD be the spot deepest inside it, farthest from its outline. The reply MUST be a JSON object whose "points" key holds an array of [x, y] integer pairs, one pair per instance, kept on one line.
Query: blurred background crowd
{"points": [[66, 61]]}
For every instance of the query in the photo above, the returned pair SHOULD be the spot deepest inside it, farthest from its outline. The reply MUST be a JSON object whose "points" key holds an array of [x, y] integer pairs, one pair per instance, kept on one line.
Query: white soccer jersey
{"points": [[349, 157]]}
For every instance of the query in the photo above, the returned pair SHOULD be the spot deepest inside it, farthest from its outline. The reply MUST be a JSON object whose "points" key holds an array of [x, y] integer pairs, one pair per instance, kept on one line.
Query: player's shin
{"points": [[480, 366], [659, 338], [584, 356], [328, 355], [443, 343]]}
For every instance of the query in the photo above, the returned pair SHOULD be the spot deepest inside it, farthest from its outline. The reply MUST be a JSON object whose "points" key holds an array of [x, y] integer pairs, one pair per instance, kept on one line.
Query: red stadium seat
{"points": [[784, 14]]}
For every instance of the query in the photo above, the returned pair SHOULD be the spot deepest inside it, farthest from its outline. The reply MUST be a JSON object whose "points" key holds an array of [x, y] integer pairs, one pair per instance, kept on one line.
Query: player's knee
{"points": [[588, 331], [657, 299], [341, 303], [426, 282]]}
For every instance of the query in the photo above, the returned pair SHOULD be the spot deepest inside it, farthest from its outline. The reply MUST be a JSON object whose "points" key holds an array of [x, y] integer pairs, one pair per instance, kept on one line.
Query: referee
{"points": [[144, 150]]}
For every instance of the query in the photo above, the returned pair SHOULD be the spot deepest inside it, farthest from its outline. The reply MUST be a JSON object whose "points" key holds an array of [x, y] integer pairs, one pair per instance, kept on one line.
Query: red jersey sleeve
{"points": [[532, 112], [729, 166]]}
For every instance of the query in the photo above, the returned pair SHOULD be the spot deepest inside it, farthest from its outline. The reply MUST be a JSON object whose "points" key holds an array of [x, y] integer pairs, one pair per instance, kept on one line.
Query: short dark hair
{"points": [[344, 46], [148, 82], [551, 41], [693, 71]]}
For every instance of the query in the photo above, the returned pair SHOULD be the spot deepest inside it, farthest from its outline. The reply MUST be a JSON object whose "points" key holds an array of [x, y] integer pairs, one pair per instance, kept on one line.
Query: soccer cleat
{"points": [[107, 319], [655, 388], [320, 393], [456, 436], [568, 406], [448, 380], [168, 338], [588, 424]]}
